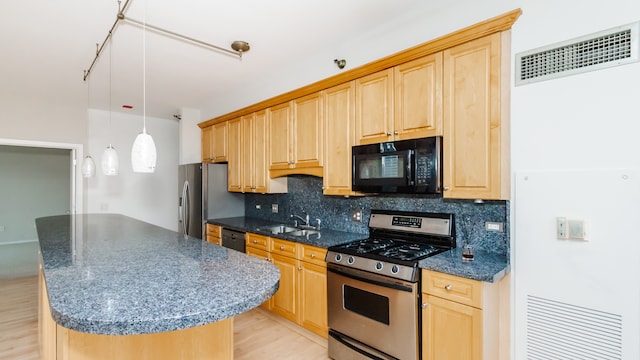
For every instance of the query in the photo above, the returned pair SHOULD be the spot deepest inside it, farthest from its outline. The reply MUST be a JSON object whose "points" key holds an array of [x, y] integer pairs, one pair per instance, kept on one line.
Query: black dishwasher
{"points": [[233, 239]]}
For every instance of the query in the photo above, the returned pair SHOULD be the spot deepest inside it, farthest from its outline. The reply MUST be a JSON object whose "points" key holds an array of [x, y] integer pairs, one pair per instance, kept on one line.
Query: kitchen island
{"points": [[113, 287]]}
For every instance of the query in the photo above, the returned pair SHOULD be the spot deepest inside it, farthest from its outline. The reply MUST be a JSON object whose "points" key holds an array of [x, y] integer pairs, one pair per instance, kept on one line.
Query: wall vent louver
{"points": [[604, 49], [557, 330]]}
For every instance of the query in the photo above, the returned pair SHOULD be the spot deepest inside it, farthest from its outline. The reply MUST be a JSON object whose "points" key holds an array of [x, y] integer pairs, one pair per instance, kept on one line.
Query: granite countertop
{"points": [[487, 266], [118, 275], [324, 239]]}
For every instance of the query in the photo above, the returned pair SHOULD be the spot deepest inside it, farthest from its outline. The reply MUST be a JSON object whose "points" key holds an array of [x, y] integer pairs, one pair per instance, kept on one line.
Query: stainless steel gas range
{"points": [[373, 285]]}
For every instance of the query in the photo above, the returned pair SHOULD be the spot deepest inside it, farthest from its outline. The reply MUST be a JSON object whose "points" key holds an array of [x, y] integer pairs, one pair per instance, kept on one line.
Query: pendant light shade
{"points": [[110, 163], [143, 153], [88, 167]]}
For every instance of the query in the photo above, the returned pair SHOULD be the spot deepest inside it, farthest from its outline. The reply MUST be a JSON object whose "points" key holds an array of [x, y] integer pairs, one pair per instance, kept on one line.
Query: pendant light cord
{"points": [[144, 69], [110, 132]]}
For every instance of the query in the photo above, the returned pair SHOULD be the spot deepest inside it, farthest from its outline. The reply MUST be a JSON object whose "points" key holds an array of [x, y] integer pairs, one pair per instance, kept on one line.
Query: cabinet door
{"points": [[339, 105], [450, 330], [279, 137], [219, 142], [264, 255], [248, 150], [418, 98], [473, 160], [284, 302], [374, 108], [307, 124], [260, 160], [206, 134], [313, 298], [235, 156]]}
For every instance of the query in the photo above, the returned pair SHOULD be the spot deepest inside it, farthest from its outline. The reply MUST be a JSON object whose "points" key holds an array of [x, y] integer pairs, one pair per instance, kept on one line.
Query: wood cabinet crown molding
{"points": [[487, 27]]}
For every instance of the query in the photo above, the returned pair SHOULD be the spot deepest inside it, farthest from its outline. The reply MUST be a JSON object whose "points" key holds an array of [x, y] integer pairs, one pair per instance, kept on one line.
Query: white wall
{"points": [[190, 144], [148, 197]]}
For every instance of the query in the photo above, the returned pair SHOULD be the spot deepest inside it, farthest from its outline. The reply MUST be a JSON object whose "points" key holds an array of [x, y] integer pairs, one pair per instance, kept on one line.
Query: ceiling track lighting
{"points": [[238, 47], [340, 63]]}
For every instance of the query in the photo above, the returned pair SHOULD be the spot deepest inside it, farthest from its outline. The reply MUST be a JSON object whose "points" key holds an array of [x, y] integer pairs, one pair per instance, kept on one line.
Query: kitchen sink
{"points": [[279, 229], [303, 232]]}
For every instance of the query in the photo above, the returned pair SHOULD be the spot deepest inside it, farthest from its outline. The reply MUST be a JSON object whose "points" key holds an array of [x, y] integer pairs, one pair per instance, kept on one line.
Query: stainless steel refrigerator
{"points": [[203, 195]]}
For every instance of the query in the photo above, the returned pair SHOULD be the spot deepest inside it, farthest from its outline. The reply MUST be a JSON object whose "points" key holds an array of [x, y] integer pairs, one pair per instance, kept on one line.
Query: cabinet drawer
{"points": [[454, 288], [214, 230], [257, 241], [312, 254], [283, 247]]}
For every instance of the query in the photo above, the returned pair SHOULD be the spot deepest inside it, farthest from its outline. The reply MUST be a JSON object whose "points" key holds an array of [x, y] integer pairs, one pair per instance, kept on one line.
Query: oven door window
{"points": [[368, 304]]}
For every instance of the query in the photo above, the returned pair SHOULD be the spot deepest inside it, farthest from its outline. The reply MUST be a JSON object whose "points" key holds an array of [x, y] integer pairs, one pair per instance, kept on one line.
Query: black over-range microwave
{"points": [[406, 166]]}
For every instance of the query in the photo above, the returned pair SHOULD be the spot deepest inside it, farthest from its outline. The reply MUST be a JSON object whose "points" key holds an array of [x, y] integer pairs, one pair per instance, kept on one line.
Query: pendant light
{"points": [[110, 163], [88, 167], [143, 152]]}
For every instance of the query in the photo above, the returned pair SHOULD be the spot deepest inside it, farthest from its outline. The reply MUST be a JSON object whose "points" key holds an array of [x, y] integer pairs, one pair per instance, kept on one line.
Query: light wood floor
{"points": [[258, 334]]}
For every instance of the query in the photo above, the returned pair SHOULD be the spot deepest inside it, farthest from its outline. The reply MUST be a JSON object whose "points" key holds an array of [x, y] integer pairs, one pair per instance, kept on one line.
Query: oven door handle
{"points": [[344, 340], [380, 282]]}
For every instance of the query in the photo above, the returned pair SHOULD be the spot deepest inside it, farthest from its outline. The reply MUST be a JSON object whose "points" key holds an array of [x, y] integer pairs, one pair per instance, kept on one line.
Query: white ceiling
{"points": [[56, 41]]}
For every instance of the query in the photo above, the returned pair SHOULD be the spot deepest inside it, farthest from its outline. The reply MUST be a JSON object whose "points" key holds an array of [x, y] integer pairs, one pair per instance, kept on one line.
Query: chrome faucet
{"points": [[305, 220]]}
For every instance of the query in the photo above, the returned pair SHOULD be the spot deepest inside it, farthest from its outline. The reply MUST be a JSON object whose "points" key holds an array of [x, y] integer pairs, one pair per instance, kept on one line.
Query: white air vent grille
{"points": [[605, 49], [557, 330]]}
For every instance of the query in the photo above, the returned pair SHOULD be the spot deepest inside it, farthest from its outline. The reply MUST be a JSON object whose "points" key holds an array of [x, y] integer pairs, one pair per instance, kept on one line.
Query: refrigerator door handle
{"points": [[187, 206], [183, 198]]}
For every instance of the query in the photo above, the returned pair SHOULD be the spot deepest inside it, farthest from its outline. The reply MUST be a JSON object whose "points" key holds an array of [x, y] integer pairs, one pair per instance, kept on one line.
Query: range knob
{"points": [[379, 266], [395, 269], [351, 260], [338, 257]]}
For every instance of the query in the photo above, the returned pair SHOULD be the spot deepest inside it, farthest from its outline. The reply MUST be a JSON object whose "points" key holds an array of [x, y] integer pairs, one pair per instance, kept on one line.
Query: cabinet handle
{"points": [[395, 132], [255, 241], [299, 268], [281, 247], [445, 188], [313, 256], [424, 305], [388, 133], [448, 287]]}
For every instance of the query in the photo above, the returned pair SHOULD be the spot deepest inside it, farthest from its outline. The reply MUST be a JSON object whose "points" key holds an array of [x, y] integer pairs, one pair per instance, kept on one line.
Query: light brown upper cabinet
{"points": [[214, 143], [255, 174], [339, 110], [476, 138], [296, 137], [374, 108], [206, 135], [418, 98], [403, 102], [234, 169]]}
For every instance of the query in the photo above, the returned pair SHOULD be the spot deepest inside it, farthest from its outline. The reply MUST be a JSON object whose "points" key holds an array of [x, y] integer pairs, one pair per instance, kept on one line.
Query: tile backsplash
{"points": [[305, 196]]}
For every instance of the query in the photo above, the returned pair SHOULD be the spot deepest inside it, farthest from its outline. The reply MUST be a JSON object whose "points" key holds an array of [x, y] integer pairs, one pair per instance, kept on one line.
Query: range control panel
{"points": [[406, 221]]}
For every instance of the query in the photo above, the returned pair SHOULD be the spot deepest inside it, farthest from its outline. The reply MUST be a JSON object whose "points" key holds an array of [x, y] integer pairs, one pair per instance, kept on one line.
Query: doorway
{"points": [[38, 179]]}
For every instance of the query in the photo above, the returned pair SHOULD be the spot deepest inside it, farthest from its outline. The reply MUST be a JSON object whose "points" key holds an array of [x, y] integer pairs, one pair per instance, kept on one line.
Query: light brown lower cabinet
{"points": [[460, 318], [302, 294], [211, 342], [214, 234]]}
